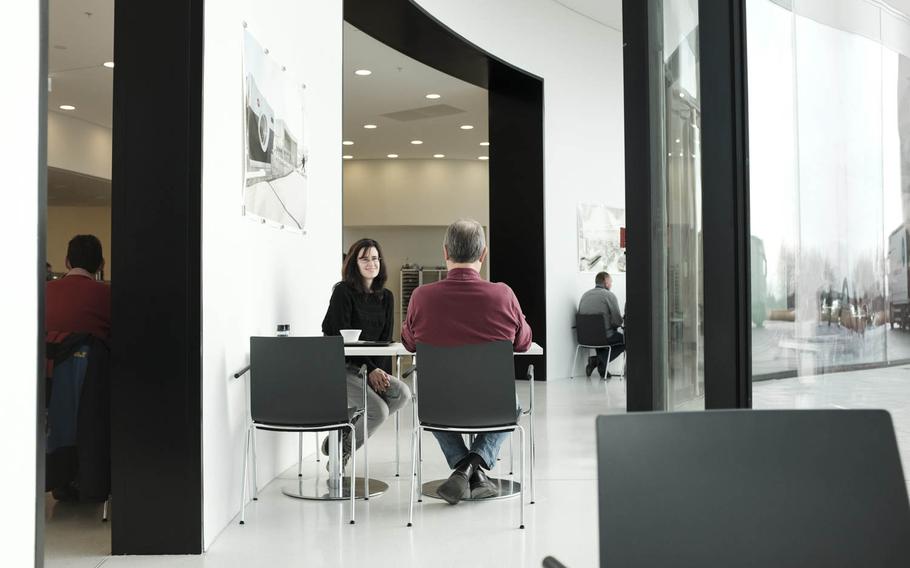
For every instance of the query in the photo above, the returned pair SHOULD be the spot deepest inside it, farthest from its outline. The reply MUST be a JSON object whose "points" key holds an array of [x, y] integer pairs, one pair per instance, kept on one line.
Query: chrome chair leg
{"points": [[413, 477], [300, 453], [574, 362], [253, 469], [521, 467], [315, 437], [354, 469], [246, 453], [105, 509], [420, 465], [397, 443], [511, 454]]}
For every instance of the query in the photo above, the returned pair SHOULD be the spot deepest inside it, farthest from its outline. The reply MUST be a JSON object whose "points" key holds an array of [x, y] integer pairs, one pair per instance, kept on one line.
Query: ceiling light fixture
{"points": [[484, 143], [392, 156], [433, 96], [417, 142], [67, 107], [369, 126], [108, 64], [483, 157], [363, 72], [348, 143], [439, 155], [346, 157], [467, 127]]}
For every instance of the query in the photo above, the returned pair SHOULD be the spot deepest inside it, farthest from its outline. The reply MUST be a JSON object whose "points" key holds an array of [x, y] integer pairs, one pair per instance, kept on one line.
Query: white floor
{"points": [[281, 531]]}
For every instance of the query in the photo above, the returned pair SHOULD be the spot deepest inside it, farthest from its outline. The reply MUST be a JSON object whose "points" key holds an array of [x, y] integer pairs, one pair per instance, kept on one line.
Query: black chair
{"points": [[468, 389], [592, 334], [297, 384], [788, 488]]}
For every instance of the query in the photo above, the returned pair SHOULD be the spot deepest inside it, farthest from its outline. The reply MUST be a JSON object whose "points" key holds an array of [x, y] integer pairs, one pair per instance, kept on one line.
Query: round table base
{"points": [[507, 488], [321, 490]]}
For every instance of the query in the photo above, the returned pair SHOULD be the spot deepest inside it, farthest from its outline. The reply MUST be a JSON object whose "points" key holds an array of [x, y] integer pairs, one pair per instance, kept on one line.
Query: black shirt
{"points": [[371, 313]]}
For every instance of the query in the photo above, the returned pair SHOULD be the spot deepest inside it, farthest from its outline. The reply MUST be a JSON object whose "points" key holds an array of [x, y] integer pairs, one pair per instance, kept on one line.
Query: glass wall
{"points": [[829, 128], [681, 208]]}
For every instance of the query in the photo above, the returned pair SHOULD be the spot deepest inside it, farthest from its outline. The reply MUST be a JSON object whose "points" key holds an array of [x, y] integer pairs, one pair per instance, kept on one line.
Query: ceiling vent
{"points": [[432, 111]]}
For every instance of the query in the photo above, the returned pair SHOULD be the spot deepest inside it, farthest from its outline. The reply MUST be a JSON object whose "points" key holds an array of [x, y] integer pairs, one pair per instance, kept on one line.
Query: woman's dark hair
{"points": [[84, 251], [350, 272]]}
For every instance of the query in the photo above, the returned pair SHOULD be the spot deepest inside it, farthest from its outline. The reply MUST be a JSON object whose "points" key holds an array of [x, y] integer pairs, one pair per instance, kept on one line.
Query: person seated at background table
{"points": [[77, 303], [600, 300], [463, 309], [361, 301]]}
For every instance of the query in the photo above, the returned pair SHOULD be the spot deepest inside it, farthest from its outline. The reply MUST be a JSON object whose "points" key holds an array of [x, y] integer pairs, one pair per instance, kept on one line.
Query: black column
{"points": [[725, 203], [156, 245], [645, 265]]}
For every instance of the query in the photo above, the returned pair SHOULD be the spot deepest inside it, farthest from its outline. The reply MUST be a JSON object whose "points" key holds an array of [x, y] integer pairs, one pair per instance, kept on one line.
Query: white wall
{"points": [[19, 301], [583, 143], [78, 146], [253, 276], [415, 192]]}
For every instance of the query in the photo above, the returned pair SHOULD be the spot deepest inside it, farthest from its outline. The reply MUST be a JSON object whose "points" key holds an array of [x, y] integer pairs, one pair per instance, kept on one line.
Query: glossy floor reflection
{"points": [[281, 531]]}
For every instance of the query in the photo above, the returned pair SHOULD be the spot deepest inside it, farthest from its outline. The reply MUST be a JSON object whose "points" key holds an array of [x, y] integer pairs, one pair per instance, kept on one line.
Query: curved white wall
{"points": [[580, 61]]}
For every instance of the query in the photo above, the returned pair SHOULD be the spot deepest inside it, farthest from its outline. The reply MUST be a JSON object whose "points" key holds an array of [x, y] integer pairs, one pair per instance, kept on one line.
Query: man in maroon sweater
{"points": [[463, 309], [77, 303]]}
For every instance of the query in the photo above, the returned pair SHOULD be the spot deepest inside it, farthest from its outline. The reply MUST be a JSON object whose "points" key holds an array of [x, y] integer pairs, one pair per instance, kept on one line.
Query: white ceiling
{"points": [[606, 12], [399, 83], [78, 45]]}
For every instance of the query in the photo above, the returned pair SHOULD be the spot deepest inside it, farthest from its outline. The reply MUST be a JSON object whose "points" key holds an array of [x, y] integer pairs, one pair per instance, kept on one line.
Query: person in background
{"points": [[361, 301], [77, 303], [600, 300], [463, 309]]}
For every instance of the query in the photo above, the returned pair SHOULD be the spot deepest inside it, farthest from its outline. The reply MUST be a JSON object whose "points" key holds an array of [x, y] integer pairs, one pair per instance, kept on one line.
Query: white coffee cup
{"points": [[350, 335]]}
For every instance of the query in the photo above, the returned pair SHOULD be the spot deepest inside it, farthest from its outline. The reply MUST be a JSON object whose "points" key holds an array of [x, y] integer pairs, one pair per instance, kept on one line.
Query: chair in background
{"points": [[450, 380], [592, 334], [297, 384]]}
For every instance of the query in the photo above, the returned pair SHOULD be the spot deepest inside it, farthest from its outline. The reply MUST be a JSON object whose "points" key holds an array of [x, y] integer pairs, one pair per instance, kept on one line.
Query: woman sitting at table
{"points": [[360, 301]]}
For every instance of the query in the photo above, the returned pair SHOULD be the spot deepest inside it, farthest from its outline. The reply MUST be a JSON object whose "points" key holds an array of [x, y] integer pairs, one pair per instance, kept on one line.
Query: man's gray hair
{"points": [[465, 241]]}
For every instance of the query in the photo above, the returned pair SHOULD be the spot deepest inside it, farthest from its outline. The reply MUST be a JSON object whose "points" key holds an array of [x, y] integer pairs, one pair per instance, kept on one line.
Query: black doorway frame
{"points": [[725, 204], [516, 118]]}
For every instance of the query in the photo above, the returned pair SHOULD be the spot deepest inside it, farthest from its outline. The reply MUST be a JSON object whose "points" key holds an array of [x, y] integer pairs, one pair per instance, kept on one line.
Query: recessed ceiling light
{"points": [[109, 64], [392, 156], [677, 140], [467, 127], [67, 107], [433, 96], [363, 72], [484, 143], [439, 155], [369, 126], [346, 157], [348, 142], [483, 157], [682, 95], [417, 142]]}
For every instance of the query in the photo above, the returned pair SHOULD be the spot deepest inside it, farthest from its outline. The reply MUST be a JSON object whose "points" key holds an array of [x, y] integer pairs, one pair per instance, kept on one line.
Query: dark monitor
{"points": [[741, 488]]}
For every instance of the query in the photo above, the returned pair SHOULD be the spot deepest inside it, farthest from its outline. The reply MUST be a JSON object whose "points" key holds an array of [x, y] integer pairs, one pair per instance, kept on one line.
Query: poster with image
{"points": [[274, 142], [600, 247]]}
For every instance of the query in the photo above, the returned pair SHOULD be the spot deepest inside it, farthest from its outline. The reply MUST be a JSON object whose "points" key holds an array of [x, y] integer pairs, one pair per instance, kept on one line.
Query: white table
{"points": [[334, 486]]}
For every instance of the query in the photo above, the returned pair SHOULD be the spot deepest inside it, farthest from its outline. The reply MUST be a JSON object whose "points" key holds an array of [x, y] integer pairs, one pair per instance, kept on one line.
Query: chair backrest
{"points": [[467, 386], [591, 329], [297, 381], [806, 488]]}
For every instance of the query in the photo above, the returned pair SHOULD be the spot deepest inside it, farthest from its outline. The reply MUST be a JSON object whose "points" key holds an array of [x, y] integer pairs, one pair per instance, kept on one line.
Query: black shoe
{"points": [[592, 364], [457, 486], [481, 486], [67, 494]]}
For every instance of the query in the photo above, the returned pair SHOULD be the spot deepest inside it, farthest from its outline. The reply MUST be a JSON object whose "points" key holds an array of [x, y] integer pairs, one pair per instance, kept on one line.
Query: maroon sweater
{"points": [[78, 304], [464, 310]]}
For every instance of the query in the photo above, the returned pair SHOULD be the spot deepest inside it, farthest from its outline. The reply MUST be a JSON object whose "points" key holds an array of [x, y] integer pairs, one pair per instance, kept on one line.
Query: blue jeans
{"points": [[486, 445]]}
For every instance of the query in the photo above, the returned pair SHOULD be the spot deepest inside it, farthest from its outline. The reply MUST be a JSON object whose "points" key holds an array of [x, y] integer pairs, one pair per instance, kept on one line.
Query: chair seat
{"points": [[353, 413]]}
